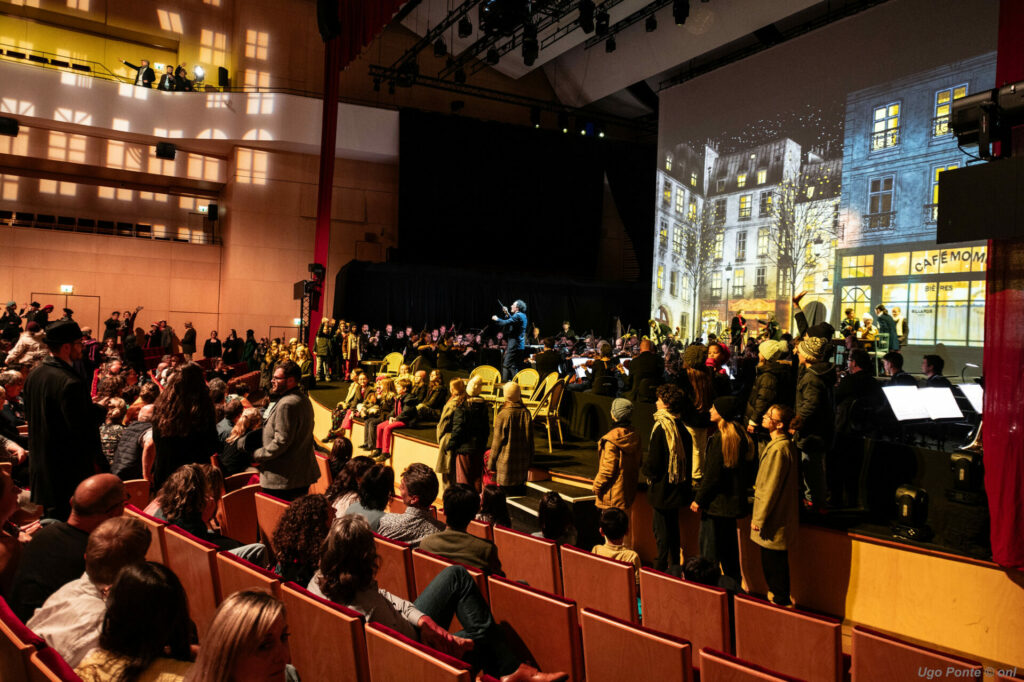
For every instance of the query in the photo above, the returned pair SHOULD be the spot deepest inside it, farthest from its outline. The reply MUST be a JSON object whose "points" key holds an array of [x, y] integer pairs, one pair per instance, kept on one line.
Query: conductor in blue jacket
{"points": [[515, 353]]}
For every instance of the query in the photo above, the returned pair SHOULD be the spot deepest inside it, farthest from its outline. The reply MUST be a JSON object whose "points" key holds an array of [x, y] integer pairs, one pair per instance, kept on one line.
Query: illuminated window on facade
{"points": [[741, 246], [719, 245], [942, 261], [944, 107], [738, 283], [716, 285], [741, 180], [745, 207], [693, 179], [661, 277], [896, 264], [762, 176], [933, 209], [677, 238], [668, 162], [858, 298], [680, 200], [762, 242], [691, 210], [673, 283], [858, 266], [885, 127], [766, 204], [666, 193], [663, 233]]}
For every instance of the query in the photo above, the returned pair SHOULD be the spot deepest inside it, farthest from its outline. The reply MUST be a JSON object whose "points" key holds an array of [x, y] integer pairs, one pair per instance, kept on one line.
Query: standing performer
{"points": [[737, 330], [515, 353]]}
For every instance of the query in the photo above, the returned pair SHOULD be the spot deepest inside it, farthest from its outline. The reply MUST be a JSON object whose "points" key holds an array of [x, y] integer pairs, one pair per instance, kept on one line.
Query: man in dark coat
{"points": [[144, 75], [887, 325], [548, 360], [188, 341], [737, 330], [647, 372], [858, 398], [515, 354], [815, 411], [10, 323], [111, 326], [63, 423]]}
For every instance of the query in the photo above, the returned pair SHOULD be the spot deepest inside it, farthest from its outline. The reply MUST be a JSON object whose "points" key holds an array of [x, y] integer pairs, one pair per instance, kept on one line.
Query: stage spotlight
{"points": [[912, 514], [609, 45], [492, 56], [535, 117], [199, 73], [531, 48], [440, 48], [465, 27], [680, 11], [601, 22], [600, 130], [651, 24], [587, 15], [583, 124], [460, 76], [563, 122]]}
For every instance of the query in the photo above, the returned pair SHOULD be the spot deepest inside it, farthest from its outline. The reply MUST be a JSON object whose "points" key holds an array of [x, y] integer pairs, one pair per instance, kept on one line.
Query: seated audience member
{"points": [[471, 428], [56, 554], [136, 437], [614, 525], [931, 367], [239, 445], [145, 631], [341, 453], [418, 487], [148, 394], [892, 362], [698, 569], [493, 507], [247, 640], [361, 395], [347, 576], [31, 341], [340, 411], [10, 534], [436, 396], [70, 619], [344, 490], [461, 503], [230, 413], [189, 500], [403, 414], [9, 424], [375, 488], [112, 428], [512, 445], [620, 456], [379, 412], [555, 517], [298, 538]]}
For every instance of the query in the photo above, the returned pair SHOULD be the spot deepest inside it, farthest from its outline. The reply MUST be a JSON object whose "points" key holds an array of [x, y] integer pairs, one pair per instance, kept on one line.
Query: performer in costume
{"points": [[515, 353]]}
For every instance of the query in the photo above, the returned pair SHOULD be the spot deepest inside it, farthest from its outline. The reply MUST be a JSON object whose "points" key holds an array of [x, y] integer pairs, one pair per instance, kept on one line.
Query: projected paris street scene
{"points": [[835, 194]]}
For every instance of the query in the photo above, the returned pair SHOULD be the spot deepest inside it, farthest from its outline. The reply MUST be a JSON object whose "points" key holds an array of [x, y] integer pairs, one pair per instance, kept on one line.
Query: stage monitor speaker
{"points": [[8, 126], [165, 150], [981, 201], [327, 19], [213, 211], [222, 77]]}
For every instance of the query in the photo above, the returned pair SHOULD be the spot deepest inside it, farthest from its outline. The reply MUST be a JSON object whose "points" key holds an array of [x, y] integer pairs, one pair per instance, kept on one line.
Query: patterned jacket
{"points": [[511, 444]]}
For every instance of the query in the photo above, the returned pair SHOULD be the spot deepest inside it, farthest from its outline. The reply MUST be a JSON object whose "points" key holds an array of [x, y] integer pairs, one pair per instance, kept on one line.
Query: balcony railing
{"points": [[880, 221], [884, 139], [109, 228], [738, 291]]}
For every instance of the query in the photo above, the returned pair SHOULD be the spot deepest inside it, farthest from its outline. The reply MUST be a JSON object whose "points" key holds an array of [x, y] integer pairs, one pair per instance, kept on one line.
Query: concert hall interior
{"points": [[750, 272]]}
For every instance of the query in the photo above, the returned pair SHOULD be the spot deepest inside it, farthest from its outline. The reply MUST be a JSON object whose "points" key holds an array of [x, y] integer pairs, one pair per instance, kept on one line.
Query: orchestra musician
{"points": [[515, 353], [548, 360]]}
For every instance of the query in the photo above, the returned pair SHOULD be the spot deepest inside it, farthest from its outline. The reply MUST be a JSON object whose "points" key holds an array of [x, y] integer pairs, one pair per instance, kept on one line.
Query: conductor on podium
{"points": [[515, 353]]}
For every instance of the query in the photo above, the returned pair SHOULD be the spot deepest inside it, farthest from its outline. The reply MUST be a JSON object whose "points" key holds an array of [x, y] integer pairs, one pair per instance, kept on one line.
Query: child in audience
{"points": [[110, 430], [555, 518], [298, 537], [344, 490], [494, 507], [614, 525]]}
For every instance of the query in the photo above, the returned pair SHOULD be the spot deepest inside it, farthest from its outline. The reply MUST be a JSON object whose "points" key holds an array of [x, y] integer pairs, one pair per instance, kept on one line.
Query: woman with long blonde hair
{"points": [[247, 642]]}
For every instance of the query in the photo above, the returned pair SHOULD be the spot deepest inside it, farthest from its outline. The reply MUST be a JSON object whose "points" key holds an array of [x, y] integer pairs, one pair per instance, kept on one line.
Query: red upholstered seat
{"points": [[797, 643], [599, 583], [531, 560], [235, 574], [396, 572], [716, 666], [694, 612], [324, 482], [615, 650], [394, 657], [543, 627], [17, 643], [46, 665], [328, 643], [877, 656]]}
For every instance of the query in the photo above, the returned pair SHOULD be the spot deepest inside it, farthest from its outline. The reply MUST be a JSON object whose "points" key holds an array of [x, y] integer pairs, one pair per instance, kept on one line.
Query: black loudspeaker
{"points": [[222, 77], [981, 201], [327, 19], [165, 150], [912, 514], [8, 126], [213, 211]]}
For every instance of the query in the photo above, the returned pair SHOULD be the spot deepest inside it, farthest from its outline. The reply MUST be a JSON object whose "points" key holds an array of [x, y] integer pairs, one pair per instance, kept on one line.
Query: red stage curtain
{"points": [[361, 22], [1003, 434]]}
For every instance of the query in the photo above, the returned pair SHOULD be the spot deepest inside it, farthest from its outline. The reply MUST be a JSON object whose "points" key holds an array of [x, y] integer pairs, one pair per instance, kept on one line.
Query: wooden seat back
{"points": [[137, 490], [395, 573], [46, 665], [269, 511], [694, 612], [324, 482], [236, 481], [484, 531], [328, 643], [796, 643], [426, 566], [877, 656], [615, 649], [158, 547], [194, 561], [529, 559], [716, 666], [235, 574], [599, 583], [393, 656], [237, 514], [542, 627]]}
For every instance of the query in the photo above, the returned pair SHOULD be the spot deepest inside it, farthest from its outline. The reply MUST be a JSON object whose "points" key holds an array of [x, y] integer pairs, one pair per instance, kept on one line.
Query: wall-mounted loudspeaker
{"points": [[8, 126], [213, 211], [222, 77], [165, 150]]}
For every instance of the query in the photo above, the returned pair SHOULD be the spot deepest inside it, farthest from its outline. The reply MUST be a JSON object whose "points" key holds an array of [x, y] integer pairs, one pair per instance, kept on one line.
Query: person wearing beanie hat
{"points": [[620, 456], [773, 383], [721, 497], [63, 423], [695, 355], [770, 350], [816, 411]]}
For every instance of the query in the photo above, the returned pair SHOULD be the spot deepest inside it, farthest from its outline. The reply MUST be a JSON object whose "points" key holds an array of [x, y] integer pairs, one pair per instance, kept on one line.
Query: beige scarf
{"points": [[667, 421]]}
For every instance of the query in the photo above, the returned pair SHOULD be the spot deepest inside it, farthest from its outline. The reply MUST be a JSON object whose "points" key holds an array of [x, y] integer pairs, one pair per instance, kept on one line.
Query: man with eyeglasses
{"points": [[63, 423], [286, 461]]}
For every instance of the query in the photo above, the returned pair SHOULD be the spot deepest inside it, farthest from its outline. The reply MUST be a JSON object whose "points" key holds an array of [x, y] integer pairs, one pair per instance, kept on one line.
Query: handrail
{"points": [[93, 65], [111, 228]]}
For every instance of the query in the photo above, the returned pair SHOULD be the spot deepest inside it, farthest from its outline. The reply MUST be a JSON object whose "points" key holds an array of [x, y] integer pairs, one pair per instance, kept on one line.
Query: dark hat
{"points": [[33, 327], [63, 331], [695, 355], [34, 304], [727, 407], [69, 311]]}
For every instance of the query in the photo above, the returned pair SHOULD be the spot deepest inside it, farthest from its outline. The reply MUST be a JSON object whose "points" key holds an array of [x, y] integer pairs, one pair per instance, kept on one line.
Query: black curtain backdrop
{"points": [[429, 296], [474, 192]]}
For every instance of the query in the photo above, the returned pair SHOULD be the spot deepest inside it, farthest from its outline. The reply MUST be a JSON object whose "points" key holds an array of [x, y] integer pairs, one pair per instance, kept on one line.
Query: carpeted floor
{"points": [[573, 457]]}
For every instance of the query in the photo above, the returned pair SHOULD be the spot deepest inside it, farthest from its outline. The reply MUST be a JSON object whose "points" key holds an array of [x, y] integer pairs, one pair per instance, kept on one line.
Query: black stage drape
{"points": [[427, 296]]}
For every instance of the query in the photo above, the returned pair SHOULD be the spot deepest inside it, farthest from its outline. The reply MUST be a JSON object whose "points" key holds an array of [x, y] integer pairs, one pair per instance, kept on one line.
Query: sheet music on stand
{"points": [[974, 394], [910, 403], [577, 365]]}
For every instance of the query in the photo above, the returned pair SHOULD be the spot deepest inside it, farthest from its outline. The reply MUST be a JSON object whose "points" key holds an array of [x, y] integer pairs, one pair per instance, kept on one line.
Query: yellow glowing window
{"points": [[719, 245], [666, 193], [936, 172], [716, 284], [691, 211], [256, 43], [896, 264], [680, 201], [663, 233], [980, 259], [895, 295], [668, 162], [858, 266], [745, 206], [762, 177], [741, 180], [693, 179], [661, 277], [762, 242], [885, 128], [943, 108]]}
